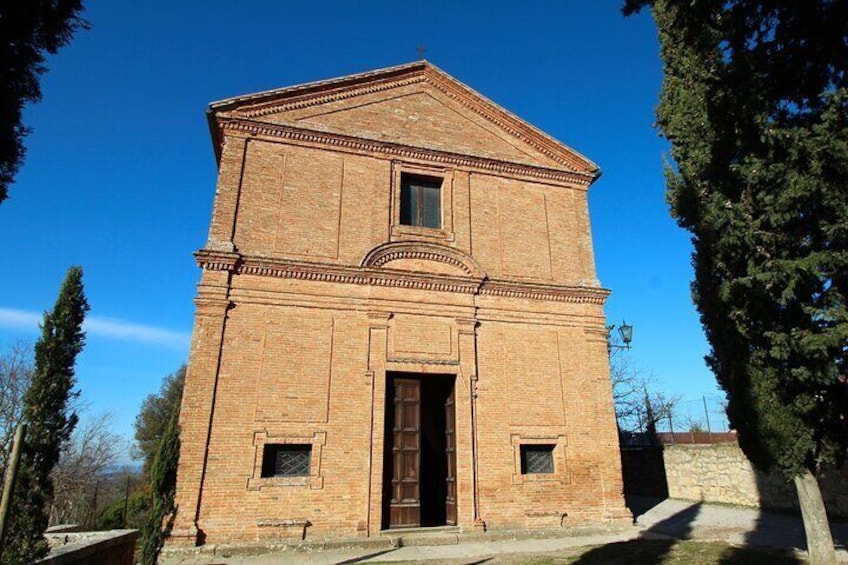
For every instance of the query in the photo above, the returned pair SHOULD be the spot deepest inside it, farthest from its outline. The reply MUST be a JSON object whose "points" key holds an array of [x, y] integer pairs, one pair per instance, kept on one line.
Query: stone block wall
{"points": [[721, 473], [113, 547]]}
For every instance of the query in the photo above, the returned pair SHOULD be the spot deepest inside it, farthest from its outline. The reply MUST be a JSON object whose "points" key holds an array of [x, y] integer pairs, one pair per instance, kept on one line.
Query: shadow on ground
{"points": [[784, 517], [639, 504], [659, 544], [645, 482], [652, 546]]}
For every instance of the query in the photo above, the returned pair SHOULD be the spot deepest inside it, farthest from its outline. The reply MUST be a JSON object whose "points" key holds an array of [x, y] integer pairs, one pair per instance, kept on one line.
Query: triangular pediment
{"points": [[415, 105]]}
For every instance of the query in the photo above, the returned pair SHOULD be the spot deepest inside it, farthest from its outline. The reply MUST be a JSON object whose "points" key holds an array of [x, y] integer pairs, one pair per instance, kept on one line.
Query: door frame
{"points": [[462, 362], [404, 410]]}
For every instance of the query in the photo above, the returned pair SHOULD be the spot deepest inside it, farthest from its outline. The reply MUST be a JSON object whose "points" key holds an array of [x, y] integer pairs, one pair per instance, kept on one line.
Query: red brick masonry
{"points": [[313, 292]]}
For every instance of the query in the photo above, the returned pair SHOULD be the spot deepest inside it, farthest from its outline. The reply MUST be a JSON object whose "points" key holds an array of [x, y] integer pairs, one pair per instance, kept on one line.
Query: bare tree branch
{"points": [[83, 471], [15, 375]]}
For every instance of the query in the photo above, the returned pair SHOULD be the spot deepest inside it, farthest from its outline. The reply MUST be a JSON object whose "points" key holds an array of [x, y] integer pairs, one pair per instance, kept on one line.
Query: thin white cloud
{"points": [[127, 331], [19, 319], [102, 327]]}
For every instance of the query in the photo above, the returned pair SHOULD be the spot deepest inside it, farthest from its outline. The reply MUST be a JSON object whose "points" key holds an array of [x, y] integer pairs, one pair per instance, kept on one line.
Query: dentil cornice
{"points": [[377, 276]]}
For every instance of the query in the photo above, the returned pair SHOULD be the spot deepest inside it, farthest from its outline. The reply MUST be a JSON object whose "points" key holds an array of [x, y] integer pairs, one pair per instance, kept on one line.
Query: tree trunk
{"points": [[819, 540]]}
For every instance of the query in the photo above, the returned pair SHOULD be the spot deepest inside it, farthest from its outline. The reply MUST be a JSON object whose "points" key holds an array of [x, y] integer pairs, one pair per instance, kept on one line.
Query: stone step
{"points": [[437, 535]]}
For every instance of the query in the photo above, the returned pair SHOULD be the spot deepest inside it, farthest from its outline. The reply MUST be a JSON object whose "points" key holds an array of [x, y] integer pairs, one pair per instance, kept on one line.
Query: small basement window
{"points": [[420, 201], [286, 460], [537, 459]]}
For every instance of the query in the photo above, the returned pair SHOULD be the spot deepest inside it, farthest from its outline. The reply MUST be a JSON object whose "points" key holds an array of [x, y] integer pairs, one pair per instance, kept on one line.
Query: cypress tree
{"points": [[755, 104], [28, 32], [49, 419], [163, 482]]}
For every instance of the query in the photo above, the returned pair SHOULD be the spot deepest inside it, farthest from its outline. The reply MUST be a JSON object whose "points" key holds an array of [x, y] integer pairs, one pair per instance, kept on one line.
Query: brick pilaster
{"points": [[198, 402], [223, 226], [378, 326], [466, 440]]}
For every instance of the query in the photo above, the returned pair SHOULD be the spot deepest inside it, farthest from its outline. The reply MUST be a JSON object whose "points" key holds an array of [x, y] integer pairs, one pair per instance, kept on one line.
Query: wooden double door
{"points": [[419, 467]]}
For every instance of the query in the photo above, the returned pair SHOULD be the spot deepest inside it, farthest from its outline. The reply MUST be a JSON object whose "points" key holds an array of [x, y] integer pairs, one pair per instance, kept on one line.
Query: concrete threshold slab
{"points": [[428, 536], [422, 530]]}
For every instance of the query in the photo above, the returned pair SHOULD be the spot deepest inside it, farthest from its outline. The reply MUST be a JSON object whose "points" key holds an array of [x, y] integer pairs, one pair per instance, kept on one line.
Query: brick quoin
{"points": [[316, 295]]}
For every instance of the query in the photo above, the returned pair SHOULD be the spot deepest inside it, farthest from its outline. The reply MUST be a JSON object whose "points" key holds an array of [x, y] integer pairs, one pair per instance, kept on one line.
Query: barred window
{"points": [[537, 459], [286, 460]]}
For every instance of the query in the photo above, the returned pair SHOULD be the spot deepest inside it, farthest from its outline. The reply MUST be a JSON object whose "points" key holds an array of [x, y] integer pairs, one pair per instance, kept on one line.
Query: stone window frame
{"points": [[401, 232], [315, 479], [560, 474]]}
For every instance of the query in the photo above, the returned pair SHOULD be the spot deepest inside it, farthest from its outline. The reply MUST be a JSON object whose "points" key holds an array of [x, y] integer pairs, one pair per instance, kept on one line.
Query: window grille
{"points": [[537, 459], [286, 460]]}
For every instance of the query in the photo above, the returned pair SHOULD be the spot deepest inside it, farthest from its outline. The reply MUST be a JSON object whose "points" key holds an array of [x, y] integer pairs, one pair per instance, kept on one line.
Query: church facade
{"points": [[398, 323]]}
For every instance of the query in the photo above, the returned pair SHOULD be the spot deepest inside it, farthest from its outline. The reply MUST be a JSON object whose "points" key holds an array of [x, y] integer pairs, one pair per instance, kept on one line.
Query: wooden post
{"points": [[671, 426], [126, 500], [9, 482], [707, 414]]}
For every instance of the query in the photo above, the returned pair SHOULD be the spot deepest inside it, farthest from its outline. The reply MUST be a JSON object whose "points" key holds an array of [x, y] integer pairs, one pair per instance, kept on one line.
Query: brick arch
{"points": [[379, 256]]}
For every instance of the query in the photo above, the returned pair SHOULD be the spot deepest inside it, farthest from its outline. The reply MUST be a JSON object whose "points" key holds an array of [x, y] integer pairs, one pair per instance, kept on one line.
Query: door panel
{"points": [[450, 455], [405, 504]]}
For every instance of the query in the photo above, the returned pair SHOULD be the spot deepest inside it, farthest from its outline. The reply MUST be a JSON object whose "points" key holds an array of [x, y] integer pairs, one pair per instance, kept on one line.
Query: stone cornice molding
{"points": [[511, 124], [212, 307], [421, 361], [390, 150], [309, 100], [259, 105], [303, 270], [309, 91], [379, 320], [387, 252], [214, 260], [355, 275], [535, 291], [450, 88]]}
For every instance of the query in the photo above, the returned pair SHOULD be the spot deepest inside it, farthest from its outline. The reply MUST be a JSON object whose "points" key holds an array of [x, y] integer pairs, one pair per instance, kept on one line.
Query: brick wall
{"points": [[312, 293]]}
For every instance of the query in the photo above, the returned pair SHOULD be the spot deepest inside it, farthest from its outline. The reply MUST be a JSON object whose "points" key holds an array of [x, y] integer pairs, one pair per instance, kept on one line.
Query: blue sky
{"points": [[120, 173]]}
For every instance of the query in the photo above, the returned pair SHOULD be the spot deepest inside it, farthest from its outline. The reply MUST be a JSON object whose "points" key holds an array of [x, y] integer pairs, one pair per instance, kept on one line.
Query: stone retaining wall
{"points": [[113, 547], [720, 473]]}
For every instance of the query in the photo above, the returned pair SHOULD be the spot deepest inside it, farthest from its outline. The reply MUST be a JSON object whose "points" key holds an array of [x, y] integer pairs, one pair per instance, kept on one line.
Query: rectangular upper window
{"points": [[420, 201], [537, 459], [286, 460]]}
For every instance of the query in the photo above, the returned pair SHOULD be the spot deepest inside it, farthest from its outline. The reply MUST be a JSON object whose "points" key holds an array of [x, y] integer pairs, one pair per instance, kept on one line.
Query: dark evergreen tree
{"points": [[49, 420], [28, 30], [755, 105], [155, 413], [651, 435], [163, 482]]}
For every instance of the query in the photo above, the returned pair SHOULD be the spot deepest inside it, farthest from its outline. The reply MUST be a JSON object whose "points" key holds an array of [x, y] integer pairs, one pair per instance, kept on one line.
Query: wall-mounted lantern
{"points": [[625, 333]]}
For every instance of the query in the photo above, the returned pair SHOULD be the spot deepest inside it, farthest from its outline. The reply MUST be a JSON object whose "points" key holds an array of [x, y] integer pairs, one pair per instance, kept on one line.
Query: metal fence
{"points": [[701, 413], [641, 439]]}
